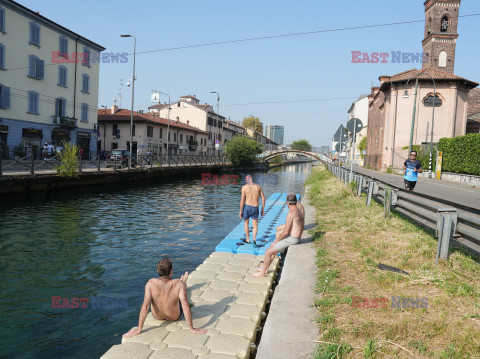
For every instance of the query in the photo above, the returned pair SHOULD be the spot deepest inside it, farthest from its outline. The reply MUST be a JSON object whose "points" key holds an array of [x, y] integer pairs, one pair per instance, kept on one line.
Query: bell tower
{"points": [[441, 22]]}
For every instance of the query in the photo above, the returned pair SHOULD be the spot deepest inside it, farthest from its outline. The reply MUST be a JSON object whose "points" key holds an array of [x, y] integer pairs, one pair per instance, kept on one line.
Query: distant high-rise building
{"points": [[276, 133]]}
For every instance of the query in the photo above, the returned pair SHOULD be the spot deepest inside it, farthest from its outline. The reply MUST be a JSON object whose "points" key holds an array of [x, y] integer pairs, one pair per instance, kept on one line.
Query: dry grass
{"points": [[351, 240]]}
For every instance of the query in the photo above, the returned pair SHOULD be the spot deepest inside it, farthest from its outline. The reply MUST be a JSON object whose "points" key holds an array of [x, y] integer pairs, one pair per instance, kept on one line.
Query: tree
{"points": [[362, 146], [254, 122], [301, 145], [243, 151], [68, 159]]}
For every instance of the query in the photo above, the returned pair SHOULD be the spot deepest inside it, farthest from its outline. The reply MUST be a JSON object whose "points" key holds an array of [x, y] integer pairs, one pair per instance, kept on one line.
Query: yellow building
{"points": [[49, 79]]}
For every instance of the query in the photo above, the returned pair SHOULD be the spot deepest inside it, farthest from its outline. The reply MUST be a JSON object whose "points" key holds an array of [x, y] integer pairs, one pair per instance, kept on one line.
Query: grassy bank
{"points": [[431, 311]]}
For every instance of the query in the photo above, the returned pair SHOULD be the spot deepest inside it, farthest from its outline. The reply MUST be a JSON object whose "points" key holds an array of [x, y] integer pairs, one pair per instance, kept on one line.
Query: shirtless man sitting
{"points": [[290, 233], [167, 299], [251, 192]]}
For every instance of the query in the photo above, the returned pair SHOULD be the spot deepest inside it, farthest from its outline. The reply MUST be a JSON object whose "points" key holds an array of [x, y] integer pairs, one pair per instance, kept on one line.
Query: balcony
{"points": [[63, 121], [192, 145]]}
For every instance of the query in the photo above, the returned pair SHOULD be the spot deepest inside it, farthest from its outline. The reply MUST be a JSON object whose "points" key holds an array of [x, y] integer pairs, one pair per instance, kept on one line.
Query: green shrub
{"points": [[68, 161], [277, 160], [243, 151], [461, 154]]}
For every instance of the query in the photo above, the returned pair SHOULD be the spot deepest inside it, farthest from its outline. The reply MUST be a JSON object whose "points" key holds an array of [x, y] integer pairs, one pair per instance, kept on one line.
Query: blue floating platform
{"points": [[276, 211]]}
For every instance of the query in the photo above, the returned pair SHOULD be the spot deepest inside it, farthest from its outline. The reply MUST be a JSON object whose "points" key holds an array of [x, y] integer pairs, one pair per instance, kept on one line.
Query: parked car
{"points": [[120, 157]]}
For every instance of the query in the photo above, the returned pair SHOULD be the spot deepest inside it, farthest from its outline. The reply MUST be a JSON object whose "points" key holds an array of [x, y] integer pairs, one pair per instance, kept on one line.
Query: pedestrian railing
{"points": [[32, 162], [449, 220]]}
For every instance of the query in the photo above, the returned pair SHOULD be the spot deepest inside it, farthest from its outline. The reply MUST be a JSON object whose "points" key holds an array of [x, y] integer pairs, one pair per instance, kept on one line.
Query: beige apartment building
{"points": [[232, 129], [268, 144], [149, 133], [189, 111], [359, 110], [46, 93]]}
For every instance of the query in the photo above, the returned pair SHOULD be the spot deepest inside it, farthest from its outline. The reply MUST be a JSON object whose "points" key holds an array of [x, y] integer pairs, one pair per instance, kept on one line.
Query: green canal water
{"points": [[104, 244]]}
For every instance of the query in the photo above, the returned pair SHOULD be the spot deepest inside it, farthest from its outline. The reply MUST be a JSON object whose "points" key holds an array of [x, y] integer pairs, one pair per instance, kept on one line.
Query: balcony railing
{"points": [[66, 121]]}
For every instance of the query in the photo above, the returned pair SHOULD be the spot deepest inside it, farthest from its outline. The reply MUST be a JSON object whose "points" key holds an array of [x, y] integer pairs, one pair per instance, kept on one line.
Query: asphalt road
{"points": [[443, 190]]}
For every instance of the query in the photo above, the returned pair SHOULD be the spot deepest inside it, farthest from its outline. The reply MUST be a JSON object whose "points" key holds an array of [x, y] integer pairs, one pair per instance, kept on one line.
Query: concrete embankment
{"points": [[227, 301]]}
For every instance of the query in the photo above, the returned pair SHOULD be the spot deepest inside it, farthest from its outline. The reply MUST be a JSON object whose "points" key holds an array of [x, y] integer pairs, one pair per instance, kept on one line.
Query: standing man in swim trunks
{"points": [[292, 231], [167, 299], [251, 192]]}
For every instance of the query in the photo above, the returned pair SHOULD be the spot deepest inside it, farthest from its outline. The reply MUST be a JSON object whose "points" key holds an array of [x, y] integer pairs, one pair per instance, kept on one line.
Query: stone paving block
{"points": [[236, 268], [233, 276], [216, 267], [217, 356], [235, 345], [252, 312], [238, 326], [253, 288], [257, 299], [148, 335], [173, 353], [204, 274], [225, 284], [185, 339], [130, 350], [242, 261], [218, 260]]}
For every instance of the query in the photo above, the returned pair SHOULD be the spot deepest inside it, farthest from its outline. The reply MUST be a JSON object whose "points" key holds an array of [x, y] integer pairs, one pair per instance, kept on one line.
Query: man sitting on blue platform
{"points": [[289, 235]]}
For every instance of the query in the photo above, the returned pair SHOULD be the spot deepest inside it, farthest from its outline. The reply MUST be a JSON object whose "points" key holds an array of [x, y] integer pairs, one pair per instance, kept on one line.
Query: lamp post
{"points": [[104, 126], [433, 120], [168, 115], [218, 108], [133, 96]]}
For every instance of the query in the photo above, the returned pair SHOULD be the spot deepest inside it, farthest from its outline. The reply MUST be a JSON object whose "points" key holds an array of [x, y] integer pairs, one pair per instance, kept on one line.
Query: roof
{"points": [[201, 107], [157, 106], [424, 74], [474, 101], [361, 97], [189, 96], [125, 115], [58, 27], [234, 124], [474, 117]]}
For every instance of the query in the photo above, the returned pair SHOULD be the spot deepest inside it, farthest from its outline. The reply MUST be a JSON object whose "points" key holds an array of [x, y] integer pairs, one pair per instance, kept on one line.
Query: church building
{"points": [[404, 108]]}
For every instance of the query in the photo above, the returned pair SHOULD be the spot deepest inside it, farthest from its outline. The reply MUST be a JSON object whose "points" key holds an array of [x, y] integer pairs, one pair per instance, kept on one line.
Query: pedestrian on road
{"points": [[411, 168]]}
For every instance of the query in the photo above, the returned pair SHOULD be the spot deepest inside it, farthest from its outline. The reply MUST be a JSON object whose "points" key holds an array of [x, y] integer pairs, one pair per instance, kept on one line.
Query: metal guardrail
{"points": [[449, 222]]}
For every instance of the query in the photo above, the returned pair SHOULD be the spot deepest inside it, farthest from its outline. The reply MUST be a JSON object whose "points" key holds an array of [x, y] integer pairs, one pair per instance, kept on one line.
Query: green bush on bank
{"points": [[68, 161], [243, 151], [461, 154]]}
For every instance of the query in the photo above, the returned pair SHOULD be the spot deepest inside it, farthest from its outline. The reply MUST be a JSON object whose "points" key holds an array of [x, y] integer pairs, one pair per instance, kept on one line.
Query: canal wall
{"points": [[14, 185], [227, 301]]}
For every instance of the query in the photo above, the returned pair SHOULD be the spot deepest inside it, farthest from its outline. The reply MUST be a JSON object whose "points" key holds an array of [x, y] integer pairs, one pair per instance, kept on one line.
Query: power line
{"points": [[291, 101], [301, 114]]}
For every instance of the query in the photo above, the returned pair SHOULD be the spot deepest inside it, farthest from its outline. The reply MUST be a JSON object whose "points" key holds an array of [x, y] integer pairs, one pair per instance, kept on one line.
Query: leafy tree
{"points": [[254, 122], [362, 146], [301, 145], [277, 160], [68, 159], [243, 151]]}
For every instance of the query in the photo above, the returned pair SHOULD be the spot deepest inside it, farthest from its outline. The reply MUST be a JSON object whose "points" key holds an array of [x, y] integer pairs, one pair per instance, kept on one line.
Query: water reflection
{"points": [[106, 244]]}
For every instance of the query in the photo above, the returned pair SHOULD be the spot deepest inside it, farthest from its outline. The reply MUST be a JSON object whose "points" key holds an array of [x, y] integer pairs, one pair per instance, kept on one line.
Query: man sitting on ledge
{"points": [[167, 299], [287, 234]]}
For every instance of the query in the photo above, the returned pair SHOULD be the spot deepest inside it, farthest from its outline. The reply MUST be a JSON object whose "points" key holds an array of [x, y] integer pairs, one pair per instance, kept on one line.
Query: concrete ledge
{"points": [[289, 331]]}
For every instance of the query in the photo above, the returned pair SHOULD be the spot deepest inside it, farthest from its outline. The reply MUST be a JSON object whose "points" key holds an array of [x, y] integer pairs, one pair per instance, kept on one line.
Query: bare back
{"points": [[298, 223], [251, 193], [165, 297]]}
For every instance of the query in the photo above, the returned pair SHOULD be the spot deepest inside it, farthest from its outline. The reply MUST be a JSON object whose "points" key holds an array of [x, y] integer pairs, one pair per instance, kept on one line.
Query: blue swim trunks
{"points": [[250, 212]]}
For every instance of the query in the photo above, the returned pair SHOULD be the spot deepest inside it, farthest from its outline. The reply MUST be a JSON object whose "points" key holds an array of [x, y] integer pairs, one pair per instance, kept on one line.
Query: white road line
{"points": [[455, 188]]}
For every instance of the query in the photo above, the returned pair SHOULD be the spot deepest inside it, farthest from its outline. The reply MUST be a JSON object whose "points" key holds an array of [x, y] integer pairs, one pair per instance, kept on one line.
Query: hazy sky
{"points": [[316, 66]]}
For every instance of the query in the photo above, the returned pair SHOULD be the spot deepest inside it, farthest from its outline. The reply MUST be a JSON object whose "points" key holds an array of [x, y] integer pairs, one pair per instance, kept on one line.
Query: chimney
{"points": [[140, 112], [114, 109], [383, 79], [188, 122]]}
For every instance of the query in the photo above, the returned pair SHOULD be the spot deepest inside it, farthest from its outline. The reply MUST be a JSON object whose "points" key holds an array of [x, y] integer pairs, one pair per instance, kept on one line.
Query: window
{"points": [[85, 83], [62, 76], [210, 121], [4, 97], [133, 130], [63, 45], [2, 56], [215, 123], [60, 107], [161, 132], [178, 104], [445, 25], [86, 56], [220, 136], [181, 138], [2, 19], [32, 102], [174, 137], [220, 125], [36, 67], [149, 131], [442, 59], [84, 114], [428, 102], [34, 33], [114, 129], [114, 145], [169, 136]]}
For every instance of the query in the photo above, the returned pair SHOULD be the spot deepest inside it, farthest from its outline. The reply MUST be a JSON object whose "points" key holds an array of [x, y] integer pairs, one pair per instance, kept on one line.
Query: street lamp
{"points": [[104, 126], [218, 107], [168, 115], [133, 94], [405, 95]]}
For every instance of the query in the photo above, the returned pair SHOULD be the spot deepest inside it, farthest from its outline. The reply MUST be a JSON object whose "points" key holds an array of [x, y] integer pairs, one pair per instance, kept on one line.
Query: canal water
{"points": [[104, 245]]}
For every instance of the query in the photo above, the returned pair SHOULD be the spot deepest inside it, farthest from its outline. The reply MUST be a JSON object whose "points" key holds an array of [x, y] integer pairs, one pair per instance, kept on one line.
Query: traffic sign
{"points": [[155, 97], [217, 142], [354, 125], [340, 135]]}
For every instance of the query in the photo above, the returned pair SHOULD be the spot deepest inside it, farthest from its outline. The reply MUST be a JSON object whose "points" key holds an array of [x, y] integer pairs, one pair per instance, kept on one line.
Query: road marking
{"points": [[459, 189]]}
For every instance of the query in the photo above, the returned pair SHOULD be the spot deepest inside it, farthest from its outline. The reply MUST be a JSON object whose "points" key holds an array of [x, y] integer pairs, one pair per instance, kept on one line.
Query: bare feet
{"points": [[259, 274], [261, 270], [184, 277]]}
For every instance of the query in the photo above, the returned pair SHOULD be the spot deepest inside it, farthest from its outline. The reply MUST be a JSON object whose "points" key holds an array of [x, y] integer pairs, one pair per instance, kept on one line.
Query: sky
{"points": [[305, 83]]}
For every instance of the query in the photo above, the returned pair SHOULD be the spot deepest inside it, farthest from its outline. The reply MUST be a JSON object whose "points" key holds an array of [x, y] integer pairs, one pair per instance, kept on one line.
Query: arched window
{"points": [[442, 59], [429, 26], [428, 101], [445, 25]]}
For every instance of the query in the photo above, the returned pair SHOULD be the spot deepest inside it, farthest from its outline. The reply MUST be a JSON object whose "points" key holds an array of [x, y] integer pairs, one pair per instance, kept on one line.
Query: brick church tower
{"points": [[441, 21]]}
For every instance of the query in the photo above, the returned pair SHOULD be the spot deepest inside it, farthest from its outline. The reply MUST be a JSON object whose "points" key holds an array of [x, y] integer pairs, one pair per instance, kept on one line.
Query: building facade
{"points": [[268, 144], [359, 110], [48, 93], [188, 110], [232, 129], [276, 133], [149, 134]]}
